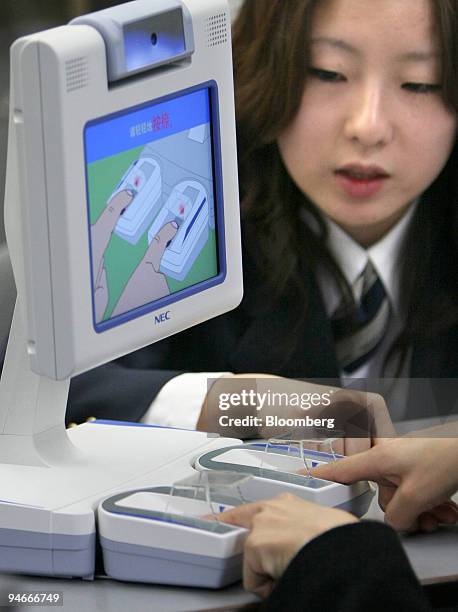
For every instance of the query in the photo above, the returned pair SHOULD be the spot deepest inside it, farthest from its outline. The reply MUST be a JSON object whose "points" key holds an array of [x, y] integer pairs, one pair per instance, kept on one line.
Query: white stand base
{"points": [[47, 521]]}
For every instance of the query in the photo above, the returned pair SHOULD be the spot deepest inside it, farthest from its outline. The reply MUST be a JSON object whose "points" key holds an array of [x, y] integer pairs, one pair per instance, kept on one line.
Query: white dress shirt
{"points": [[179, 402]]}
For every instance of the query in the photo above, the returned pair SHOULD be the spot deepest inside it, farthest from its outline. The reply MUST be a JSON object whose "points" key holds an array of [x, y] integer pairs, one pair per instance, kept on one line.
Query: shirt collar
{"points": [[384, 254]]}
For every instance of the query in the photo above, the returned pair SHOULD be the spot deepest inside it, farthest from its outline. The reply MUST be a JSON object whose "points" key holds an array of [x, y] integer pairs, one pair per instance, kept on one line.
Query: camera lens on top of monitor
{"points": [[154, 39]]}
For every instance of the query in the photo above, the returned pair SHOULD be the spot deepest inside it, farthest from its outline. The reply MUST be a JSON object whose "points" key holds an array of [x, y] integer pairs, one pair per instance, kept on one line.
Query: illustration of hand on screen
{"points": [[101, 232], [147, 283]]}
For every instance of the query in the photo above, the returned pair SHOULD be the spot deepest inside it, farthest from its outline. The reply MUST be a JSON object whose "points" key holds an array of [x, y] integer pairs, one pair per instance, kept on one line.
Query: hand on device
{"points": [[360, 419], [279, 528], [101, 233], [416, 478], [147, 283]]}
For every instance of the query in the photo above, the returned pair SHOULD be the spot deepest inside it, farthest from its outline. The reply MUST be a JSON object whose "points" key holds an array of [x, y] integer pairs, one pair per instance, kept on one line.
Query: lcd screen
{"points": [[152, 190]]}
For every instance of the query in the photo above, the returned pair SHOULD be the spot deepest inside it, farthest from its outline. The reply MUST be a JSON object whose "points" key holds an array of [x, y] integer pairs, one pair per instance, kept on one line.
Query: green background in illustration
{"points": [[121, 258]]}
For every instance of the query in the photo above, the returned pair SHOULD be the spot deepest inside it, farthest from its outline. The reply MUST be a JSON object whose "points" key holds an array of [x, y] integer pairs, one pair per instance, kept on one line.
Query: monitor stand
{"points": [[53, 479]]}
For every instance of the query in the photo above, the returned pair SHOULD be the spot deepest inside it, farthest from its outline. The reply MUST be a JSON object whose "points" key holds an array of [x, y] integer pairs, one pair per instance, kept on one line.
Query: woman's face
{"points": [[372, 131]]}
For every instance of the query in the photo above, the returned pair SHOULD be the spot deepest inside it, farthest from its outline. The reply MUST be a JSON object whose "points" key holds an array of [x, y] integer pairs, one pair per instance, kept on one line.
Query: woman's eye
{"points": [[421, 88], [326, 75]]}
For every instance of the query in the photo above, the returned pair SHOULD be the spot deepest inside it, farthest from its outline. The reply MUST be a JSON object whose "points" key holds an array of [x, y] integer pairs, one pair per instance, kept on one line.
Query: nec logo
{"points": [[162, 318]]}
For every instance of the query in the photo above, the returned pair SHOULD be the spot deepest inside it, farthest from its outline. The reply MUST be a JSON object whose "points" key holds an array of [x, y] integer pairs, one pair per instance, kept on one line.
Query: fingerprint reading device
{"points": [[274, 470], [164, 535], [143, 180], [188, 207], [114, 118]]}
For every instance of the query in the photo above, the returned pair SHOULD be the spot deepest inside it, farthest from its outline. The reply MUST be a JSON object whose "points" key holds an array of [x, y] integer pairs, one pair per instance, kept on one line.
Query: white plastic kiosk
{"points": [[122, 219], [109, 117]]}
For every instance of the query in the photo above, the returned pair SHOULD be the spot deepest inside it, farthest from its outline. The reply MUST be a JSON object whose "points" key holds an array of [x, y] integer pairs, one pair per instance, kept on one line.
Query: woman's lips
{"points": [[361, 181]]}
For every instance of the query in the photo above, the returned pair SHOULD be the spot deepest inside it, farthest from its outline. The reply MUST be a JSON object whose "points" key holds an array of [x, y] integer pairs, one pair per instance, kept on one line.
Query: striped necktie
{"points": [[358, 332]]}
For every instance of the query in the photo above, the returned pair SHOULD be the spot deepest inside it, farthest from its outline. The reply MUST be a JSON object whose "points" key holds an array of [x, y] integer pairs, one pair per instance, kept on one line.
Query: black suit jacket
{"points": [[264, 335], [352, 568]]}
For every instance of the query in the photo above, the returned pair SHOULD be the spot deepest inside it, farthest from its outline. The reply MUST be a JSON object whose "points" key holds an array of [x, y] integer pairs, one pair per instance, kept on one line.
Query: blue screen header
{"points": [[136, 127]]}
